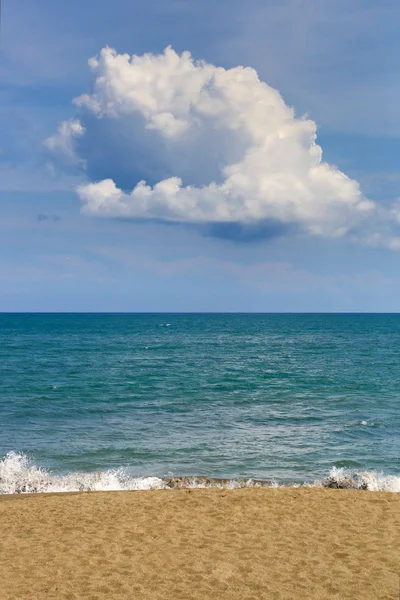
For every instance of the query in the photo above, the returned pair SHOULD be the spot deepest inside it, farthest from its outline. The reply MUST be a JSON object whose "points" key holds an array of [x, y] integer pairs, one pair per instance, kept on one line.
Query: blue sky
{"points": [[335, 63]]}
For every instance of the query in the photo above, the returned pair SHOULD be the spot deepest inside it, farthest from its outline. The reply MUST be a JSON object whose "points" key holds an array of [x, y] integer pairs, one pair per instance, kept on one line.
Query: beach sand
{"points": [[202, 544]]}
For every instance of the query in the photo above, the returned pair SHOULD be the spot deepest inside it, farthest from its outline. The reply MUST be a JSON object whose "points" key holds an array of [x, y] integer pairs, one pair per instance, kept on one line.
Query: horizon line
{"points": [[90, 312]]}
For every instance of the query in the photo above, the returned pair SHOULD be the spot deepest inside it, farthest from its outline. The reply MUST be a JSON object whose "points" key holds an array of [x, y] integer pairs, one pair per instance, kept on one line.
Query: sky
{"points": [[178, 155]]}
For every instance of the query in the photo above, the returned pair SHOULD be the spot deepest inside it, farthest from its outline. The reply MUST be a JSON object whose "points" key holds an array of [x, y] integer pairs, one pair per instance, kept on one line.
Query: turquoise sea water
{"points": [[271, 396]]}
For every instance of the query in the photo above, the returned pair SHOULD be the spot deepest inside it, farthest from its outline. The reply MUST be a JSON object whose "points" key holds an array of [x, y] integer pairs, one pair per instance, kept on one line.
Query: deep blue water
{"points": [[267, 396]]}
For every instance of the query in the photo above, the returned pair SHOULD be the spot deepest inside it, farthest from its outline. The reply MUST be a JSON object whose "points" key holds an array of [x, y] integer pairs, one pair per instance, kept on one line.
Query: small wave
{"points": [[341, 478], [376, 423], [19, 475]]}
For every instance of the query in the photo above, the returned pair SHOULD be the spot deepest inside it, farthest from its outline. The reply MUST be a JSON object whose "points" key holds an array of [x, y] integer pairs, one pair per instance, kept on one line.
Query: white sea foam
{"points": [[368, 480], [19, 475]]}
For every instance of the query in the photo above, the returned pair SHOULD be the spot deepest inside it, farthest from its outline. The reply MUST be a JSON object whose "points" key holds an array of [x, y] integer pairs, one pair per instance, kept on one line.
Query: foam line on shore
{"points": [[18, 474]]}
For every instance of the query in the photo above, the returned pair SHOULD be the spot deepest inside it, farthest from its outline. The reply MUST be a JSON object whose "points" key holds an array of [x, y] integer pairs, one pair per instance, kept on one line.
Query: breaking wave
{"points": [[19, 475], [369, 480]]}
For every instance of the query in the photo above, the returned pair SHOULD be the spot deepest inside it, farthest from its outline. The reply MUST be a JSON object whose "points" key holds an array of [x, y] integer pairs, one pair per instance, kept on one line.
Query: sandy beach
{"points": [[183, 544]]}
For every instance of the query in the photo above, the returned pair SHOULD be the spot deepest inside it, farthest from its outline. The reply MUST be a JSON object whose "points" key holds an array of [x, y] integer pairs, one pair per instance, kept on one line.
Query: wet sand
{"points": [[201, 544]]}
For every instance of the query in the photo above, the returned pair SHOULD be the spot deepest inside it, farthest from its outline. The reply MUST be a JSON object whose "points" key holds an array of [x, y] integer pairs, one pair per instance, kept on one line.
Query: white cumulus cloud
{"points": [[63, 140], [265, 162]]}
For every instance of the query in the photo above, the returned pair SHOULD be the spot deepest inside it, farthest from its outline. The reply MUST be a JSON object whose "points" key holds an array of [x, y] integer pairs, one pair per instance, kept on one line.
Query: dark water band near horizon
{"points": [[99, 401]]}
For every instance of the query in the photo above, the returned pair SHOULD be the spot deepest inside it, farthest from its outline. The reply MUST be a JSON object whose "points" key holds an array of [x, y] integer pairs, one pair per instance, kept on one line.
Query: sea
{"points": [[149, 401]]}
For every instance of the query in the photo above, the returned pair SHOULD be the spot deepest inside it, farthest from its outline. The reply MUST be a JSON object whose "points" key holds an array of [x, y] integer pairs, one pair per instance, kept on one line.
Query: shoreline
{"points": [[168, 490], [18, 474], [234, 544]]}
